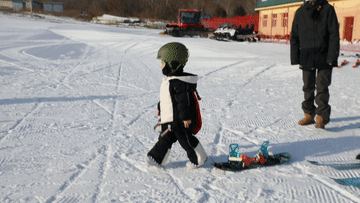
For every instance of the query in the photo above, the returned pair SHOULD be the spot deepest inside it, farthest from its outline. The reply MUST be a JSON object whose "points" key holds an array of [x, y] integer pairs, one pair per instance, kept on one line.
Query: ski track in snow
{"points": [[78, 109], [19, 123], [103, 152], [12, 64]]}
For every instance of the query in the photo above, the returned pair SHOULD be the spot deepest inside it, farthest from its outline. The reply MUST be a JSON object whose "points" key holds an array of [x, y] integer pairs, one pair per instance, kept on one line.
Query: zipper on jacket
{"points": [[314, 41]]}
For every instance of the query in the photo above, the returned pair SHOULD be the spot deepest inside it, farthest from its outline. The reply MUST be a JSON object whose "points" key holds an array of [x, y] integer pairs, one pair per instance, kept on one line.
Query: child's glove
{"points": [[187, 123], [157, 127], [160, 128]]}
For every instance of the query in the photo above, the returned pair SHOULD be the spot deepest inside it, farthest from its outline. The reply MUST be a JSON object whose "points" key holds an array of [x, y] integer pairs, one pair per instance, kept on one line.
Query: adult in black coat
{"points": [[315, 46]]}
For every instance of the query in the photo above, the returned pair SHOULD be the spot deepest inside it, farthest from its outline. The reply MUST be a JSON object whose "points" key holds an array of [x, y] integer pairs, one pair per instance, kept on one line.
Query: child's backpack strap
{"points": [[198, 120]]}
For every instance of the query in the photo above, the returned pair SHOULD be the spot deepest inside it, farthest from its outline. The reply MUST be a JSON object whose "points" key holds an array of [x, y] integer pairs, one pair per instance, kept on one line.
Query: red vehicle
{"points": [[189, 23]]}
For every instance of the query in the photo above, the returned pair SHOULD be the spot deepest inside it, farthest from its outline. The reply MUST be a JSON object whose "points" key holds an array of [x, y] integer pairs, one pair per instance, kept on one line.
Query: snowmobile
{"points": [[227, 32]]}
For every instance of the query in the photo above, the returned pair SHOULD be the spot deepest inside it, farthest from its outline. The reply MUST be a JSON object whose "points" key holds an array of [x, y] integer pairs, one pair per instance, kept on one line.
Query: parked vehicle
{"points": [[189, 23], [228, 32]]}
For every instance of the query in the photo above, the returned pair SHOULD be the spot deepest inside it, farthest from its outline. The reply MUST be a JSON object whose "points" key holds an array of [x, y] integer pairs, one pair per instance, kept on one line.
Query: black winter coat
{"points": [[314, 38], [183, 102]]}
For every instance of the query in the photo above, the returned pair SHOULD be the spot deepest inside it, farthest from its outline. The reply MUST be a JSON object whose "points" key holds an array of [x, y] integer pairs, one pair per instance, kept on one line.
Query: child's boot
{"points": [[201, 157], [307, 120], [151, 161]]}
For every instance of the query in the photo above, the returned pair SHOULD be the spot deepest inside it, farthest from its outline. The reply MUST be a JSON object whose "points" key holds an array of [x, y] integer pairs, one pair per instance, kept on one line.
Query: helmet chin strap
{"points": [[169, 71], [173, 70]]}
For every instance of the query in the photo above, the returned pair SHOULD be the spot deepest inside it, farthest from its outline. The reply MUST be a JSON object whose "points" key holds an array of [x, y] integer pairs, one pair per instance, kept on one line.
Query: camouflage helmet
{"points": [[173, 51]]}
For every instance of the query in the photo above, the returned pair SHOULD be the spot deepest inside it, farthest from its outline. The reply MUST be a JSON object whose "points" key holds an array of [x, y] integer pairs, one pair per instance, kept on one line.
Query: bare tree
{"points": [[161, 9]]}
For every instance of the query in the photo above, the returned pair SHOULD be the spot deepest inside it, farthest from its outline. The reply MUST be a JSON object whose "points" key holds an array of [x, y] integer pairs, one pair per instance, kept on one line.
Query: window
{"points": [[190, 17], [274, 18], [265, 20], [285, 20]]}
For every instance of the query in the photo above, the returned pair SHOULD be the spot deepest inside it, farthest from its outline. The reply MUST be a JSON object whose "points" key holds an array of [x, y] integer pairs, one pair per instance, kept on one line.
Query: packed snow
{"points": [[78, 106]]}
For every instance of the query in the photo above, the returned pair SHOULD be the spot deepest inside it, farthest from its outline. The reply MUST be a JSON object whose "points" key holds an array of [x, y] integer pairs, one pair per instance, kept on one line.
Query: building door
{"points": [[348, 29]]}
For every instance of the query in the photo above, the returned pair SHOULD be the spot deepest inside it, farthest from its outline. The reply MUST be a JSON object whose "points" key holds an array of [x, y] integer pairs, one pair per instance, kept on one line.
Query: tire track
{"points": [[4, 164], [89, 55], [104, 108], [244, 135], [34, 60], [258, 74], [65, 80], [70, 199], [77, 175], [119, 81], [220, 69], [15, 65], [176, 184], [321, 193], [115, 120], [20, 122], [100, 69], [104, 167]]}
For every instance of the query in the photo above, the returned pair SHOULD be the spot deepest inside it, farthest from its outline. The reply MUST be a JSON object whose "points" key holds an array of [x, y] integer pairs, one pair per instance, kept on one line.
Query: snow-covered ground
{"points": [[78, 106]]}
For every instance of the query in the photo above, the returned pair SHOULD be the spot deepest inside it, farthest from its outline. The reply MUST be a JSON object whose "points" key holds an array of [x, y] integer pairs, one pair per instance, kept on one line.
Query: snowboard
{"points": [[348, 181], [342, 165], [240, 162], [338, 165]]}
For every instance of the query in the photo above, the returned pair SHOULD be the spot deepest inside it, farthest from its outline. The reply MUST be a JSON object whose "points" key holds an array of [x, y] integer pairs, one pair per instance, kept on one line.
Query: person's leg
{"points": [[161, 149], [309, 79], [323, 82], [192, 146]]}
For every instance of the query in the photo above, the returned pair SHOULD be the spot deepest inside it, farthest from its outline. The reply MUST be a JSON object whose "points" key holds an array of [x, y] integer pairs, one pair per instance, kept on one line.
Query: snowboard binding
{"points": [[239, 162], [263, 157]]}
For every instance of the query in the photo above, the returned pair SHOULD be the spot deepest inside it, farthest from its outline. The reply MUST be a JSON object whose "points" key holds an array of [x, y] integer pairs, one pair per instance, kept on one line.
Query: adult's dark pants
{"points": [[317, 80], [186, 140]]}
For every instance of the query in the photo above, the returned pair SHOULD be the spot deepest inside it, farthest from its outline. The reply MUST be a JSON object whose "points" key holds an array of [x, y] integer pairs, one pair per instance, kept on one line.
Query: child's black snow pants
{"points": [[187, 141]]}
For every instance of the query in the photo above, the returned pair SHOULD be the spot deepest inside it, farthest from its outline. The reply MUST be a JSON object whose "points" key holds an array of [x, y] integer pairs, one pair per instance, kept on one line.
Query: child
{"points": [[177, 109]]}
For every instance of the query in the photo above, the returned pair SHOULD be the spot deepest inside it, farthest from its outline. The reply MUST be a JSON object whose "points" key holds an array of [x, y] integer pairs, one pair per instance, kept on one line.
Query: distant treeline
{"points": [[158, 9]]}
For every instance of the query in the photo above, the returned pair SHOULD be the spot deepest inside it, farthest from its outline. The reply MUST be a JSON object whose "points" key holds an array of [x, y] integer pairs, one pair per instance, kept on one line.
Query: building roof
{"points": [[269, 3]]}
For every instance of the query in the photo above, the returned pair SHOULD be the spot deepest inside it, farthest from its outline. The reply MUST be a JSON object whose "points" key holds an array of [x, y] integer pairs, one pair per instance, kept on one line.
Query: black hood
{"points": [[317, 2]]}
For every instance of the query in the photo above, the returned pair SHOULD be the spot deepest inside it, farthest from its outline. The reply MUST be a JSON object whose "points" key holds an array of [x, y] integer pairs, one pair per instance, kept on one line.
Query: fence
{"points": [[214, 23]]}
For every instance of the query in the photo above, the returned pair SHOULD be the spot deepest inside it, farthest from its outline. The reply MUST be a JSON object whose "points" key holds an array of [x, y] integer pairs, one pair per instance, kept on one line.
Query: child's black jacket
{"points": [[182, 100]]}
